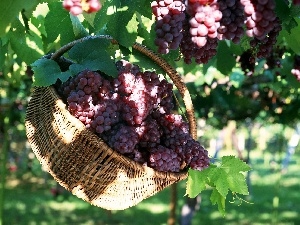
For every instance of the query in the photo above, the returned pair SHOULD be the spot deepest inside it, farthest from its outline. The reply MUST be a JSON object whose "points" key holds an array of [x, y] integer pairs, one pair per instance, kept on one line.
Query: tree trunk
{"points": [[173, 203]]}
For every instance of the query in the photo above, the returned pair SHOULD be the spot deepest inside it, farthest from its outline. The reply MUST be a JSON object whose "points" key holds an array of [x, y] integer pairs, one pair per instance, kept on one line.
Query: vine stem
{"points": [[172, 73]]}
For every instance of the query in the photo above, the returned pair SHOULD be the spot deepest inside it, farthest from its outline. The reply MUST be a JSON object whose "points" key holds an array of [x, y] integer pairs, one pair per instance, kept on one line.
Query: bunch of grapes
{"points": [[232, 22], [169, 15], [296, 70], [265, 45], [260, 17], [76, 7], [132, 114], [204, 20]]}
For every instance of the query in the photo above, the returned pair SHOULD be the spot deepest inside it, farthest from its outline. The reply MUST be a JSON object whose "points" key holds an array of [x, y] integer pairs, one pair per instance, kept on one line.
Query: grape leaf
{"points": [[222, 178], [46, 72], [218, 177], [225, 59], [196, 182], [123, 27], [3, 51], [58, 22], [292, 38], [78, 28], [237, 183], [101, 17], [217, 198], [234, 165], [10, 10], [27, 47], [93, 54]]}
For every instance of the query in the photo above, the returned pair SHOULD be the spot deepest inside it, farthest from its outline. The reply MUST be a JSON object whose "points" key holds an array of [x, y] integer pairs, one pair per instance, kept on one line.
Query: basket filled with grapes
{"points": [[114, 141]]}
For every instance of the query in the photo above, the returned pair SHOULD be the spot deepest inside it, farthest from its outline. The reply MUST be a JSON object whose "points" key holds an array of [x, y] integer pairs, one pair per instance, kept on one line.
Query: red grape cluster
{"points": [[264, 46], [76, 7], [132, 114], [191, 50], [232, 22], [169, 15], [296, 70], [204, 22], [260, 17]]}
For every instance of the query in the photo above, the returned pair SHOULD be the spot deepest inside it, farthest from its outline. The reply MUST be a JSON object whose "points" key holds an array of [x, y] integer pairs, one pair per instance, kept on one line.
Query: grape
{"points": [[195, 155], [76, 7], [106, 115], [296, 69], [137, 106], [123, 139], [190, 49], [264, 46], [176, 137], [164, 159], [169, 15], [260, 17], [204, 20], [80, 105], [164, 97], [132, 114], [232, 22], [149, 133]]}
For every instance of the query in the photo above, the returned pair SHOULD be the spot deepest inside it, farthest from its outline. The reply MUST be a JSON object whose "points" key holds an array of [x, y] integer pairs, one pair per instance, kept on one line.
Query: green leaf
{"points": [[123, 27], [46, 72], [237, 183], [102, 17], [290, 25], [282, 10], [225, 59], [78, 28], [196, 182], [219, 178], [10, 11], [3, 52], [93, 54], [234, 165], [58, 23], [292, 39], [27, 47], [217, 198]]}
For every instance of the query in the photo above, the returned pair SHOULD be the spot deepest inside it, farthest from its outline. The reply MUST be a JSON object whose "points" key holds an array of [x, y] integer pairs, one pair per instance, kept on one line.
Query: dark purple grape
{"points": [[169, 15]]}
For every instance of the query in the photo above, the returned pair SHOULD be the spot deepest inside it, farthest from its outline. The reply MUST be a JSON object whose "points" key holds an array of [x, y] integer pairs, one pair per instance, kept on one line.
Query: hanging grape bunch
{"points": [[76, 7], [201, 24], [133, 115]]}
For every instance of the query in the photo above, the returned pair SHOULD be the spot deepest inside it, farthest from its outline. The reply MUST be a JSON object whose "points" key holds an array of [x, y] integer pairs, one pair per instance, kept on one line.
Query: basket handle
{"points": [[172, 73]]}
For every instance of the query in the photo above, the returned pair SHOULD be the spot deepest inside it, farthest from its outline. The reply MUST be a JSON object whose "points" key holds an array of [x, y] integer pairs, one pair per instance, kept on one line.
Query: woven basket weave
{"points": [[81, 162]]}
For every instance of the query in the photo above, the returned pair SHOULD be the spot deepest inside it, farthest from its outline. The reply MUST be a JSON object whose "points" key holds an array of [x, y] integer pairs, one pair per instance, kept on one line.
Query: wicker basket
{"points": [[81, 162]]}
